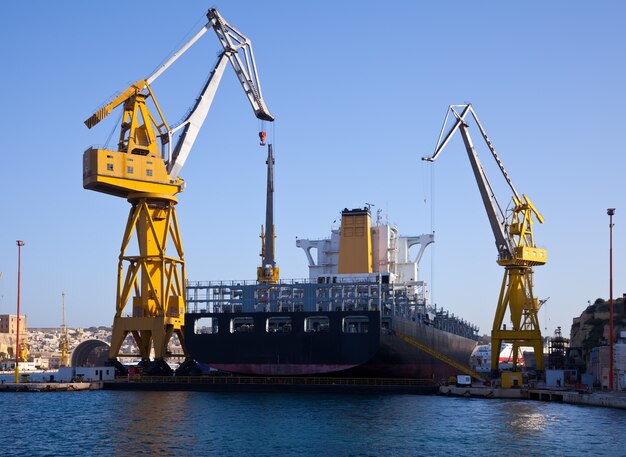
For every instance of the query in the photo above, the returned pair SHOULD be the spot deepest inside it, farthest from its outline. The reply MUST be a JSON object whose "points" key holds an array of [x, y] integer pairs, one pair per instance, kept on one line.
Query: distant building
{"points": [[86, 374], [54, 361], [8, 329], [8, 324], [600, 366]]}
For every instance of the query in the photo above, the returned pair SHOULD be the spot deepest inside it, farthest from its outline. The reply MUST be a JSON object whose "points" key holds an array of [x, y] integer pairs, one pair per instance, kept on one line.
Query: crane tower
{"points": [[268, 272], [64, 341]]}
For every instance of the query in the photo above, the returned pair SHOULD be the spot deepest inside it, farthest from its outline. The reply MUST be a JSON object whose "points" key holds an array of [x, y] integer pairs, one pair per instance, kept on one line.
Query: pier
{"points": [[606, 399], [40, 386]]}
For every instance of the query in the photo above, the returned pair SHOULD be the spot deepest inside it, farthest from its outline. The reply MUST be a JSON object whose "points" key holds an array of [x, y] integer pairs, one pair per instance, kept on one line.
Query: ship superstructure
{"points": [[387, 254]]}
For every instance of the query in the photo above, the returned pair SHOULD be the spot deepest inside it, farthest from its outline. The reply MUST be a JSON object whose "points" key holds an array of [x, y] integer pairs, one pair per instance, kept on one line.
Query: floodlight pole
{"points": [[610, 212], [20, 243]]}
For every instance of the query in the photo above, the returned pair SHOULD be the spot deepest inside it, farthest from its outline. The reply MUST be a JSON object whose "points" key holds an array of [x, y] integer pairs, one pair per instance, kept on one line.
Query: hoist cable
{"points": [[117, 122]]}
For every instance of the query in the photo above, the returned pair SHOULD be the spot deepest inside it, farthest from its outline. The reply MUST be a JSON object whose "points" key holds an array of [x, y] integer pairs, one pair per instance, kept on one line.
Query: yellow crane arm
{"points": [[533, 209], [142, 84], [117, 101]]}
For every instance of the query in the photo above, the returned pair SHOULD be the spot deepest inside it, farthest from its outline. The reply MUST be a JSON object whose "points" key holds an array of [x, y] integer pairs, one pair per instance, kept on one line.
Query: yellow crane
{"points": [[517, 251], [144, 170], [64, 341], [24, 351]]}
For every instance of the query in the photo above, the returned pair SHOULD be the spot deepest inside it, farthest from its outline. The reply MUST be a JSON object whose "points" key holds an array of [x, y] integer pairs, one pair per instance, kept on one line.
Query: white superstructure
{"points": [[391, 255]]}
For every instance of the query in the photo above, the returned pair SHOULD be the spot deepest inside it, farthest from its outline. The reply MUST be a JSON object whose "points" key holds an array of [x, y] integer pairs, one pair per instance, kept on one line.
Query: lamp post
{"points": [[610, 212], [20, 243]]}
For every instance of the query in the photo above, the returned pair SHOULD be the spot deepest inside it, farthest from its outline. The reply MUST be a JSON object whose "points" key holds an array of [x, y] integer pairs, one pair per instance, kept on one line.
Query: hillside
{"points": [[591, 329]]}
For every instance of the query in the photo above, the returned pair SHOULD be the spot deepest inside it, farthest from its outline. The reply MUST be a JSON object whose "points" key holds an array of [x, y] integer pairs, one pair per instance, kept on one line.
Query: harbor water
{"points": [[200, 423]]}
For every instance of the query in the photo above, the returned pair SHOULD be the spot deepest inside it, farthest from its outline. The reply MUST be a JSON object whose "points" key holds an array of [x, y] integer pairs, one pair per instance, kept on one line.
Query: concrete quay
{"points": [[482, 392], [600, 398], [49, 386]]}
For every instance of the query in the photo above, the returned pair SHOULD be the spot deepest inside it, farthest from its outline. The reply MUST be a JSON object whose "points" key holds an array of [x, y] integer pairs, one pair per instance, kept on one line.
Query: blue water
{"points": [[193, 423]]}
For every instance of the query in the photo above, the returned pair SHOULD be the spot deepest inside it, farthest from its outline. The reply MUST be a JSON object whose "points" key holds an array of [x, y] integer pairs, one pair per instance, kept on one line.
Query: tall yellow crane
{"points": [[64, 341], [517, 251], [144, 170]]}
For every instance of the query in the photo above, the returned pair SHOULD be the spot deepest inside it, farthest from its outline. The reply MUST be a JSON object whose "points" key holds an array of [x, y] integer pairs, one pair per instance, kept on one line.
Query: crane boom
{"points": [[140, 85], [493, 152], [193, 122], [490, 201], [104, 111], [233, 42], [150, 79]]}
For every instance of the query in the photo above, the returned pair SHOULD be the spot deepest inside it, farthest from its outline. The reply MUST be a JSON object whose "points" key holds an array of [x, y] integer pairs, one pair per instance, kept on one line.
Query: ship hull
{"points": [[373, 351], [256, 350], [399, 359]]}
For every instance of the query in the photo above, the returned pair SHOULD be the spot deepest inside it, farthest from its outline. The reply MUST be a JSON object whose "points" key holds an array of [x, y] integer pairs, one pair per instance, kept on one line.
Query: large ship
{"points": [[363, 311]]}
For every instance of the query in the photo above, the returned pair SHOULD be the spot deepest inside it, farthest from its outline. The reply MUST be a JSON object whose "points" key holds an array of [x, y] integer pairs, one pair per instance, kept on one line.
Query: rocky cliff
{"points": [[591, 329]]}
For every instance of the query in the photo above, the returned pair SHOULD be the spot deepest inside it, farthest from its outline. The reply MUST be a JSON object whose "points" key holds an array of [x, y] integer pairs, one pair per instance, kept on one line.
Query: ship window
{"points": [[206, 326], [278, 325], [241, 324], [355, 324], [129, 170], [109, 167], [316, 324], [148, 172]]}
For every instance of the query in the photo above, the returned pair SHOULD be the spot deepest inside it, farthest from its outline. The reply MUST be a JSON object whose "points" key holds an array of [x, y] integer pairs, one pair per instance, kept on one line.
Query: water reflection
{"points": [[523, 418], [153, 423]]}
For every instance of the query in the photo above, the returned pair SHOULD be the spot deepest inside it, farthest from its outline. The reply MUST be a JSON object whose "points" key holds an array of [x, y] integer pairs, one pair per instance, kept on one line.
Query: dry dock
{"points": [[606, 399]]}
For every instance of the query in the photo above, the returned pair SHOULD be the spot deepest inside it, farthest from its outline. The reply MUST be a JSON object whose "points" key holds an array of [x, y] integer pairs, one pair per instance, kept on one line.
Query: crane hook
{"points": [[262, 136]]}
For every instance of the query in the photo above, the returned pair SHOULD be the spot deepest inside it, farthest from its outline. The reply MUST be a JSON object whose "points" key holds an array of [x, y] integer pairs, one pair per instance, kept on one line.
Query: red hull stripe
{"points": [[279, 369]]}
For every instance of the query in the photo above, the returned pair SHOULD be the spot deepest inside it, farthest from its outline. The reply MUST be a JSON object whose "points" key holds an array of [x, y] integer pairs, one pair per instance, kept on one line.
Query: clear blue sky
{"points": [[359, 90]]}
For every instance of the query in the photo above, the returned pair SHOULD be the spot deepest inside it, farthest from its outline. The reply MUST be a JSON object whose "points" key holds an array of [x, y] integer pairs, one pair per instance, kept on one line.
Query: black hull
{"points": [[259, 352], [396, 358], [379, 352]]}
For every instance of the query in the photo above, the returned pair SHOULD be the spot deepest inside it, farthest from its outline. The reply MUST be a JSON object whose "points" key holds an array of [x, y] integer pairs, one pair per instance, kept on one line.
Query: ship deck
{"points": [[373, 293]]}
